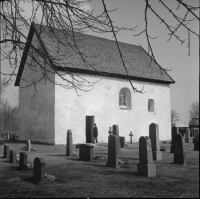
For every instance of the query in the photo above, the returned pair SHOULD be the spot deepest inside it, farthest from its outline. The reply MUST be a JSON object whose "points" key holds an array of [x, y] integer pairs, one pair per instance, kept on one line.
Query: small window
{"points": [[151, 105], [125, 98], [122, 99]]}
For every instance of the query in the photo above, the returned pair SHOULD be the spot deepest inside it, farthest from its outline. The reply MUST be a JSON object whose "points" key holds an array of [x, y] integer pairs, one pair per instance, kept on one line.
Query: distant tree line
{"points": [[8, 113], [193, 113]]}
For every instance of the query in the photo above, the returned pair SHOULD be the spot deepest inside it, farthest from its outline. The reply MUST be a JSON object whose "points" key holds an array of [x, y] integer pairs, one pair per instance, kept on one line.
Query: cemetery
{"points": [[117, 168]]}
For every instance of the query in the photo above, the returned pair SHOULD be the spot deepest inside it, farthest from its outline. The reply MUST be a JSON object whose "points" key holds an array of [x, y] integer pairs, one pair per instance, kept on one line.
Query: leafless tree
{"points": [[194, 110], [72, 16], [3, 84], [9, 116], [175, 116]]}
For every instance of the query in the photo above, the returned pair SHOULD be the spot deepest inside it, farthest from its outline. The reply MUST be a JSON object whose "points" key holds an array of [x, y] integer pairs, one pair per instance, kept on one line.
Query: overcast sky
{"points": [[171, 54]]}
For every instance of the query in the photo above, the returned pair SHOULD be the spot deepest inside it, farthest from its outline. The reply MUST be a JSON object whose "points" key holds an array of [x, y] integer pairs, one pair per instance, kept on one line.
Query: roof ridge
{"points": [[91, 35]]}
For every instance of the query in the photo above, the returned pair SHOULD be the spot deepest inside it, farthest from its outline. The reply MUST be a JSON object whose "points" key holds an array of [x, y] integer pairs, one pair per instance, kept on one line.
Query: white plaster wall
{"points": [[102, 102], [36, 104]]}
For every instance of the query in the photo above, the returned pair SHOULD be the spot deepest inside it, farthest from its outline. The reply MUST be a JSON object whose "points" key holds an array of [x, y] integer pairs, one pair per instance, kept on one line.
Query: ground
{"points": [[75, 178]]}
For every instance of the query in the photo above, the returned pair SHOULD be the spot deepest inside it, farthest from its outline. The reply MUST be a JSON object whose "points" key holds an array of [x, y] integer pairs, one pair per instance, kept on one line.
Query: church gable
{"points": [[101, 56]]}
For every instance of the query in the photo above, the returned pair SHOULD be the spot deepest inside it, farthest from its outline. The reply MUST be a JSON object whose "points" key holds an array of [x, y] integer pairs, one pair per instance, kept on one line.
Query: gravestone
{"points": [[6, 152], [28, 145], [196, 142], [116, 133], [39, 170], [110, 131], [8, 136], [13, 156], [113, 149], [145, 166], [131, 135], [187, 135], [122, 141], [86, 152], [175, 131], [89, 129], [69, 143], [155, 143], [23, 161], [179, 156], [1, 148], [195, 132]]}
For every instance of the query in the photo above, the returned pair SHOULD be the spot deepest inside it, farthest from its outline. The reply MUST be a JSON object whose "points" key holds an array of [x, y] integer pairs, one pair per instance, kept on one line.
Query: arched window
{"points": [[125, 98], [122, 99], [151, 105]]}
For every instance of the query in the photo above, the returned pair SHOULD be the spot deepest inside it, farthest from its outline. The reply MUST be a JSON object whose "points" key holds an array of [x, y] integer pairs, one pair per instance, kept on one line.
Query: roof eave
{"points": [[90, 72]]}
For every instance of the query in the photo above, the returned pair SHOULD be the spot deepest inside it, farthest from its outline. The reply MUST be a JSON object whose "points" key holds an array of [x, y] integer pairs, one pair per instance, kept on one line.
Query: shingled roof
{"points": [[101, 54]]}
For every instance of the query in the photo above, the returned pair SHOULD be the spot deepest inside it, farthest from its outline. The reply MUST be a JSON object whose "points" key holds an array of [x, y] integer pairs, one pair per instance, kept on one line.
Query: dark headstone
{"points": [[89, 129], [179, 156], [196, 141], [155, 143], [175, 131], [145, 166], [69, 143], [116, 133], [86, 152], [195, 132], [113, 149], [131, 135], [122, 141], [6, 152], [39, 170], [13, 156], [187, 135], [110, 131], [23, 161], [1, 148]]}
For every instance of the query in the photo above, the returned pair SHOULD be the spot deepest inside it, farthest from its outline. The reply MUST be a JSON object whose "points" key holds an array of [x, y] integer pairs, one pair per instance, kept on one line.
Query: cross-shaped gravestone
{"points": [[110, 131], [131, 135]]}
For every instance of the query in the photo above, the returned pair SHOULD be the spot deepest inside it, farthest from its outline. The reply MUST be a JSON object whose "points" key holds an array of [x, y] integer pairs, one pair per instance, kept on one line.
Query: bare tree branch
{"points": [[194, 110]]}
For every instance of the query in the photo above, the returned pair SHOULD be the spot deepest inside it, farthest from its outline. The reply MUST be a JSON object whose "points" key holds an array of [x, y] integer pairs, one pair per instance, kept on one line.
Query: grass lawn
{"points": [[75, 178]]}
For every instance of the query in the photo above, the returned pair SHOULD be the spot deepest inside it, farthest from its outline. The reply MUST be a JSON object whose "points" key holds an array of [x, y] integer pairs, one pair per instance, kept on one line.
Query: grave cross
{"points": [[110, 131], [131, 135]]}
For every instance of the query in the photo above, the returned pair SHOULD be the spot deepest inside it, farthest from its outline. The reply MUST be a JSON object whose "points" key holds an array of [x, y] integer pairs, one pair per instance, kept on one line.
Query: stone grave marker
{"points": [[13, 156], [86, 152], [131, 135], [1, 148], [28, 145], [179, 156], [145, 166], [39, 170], [116, 133], [196, 142], [187, 135], [6, 152], [175, 131], [69, 143], [122, 141], [110, 131], [155, 143], [23, 161], [195, 132], [113, 151]]}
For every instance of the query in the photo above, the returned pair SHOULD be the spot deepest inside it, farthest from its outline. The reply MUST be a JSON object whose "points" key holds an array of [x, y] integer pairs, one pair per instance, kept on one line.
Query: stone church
{"points": [[48, 107]]}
